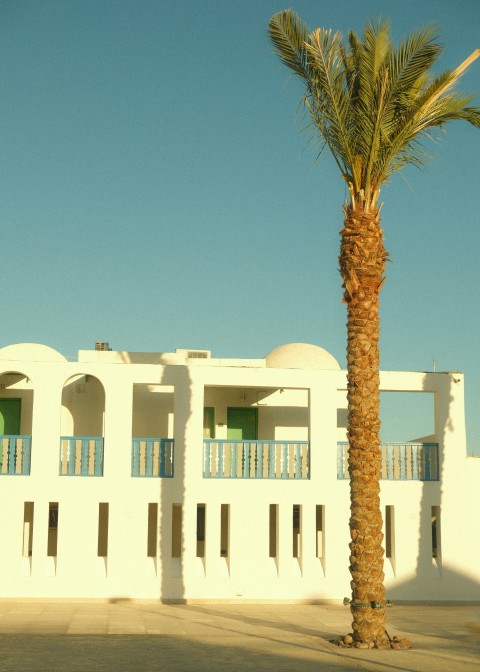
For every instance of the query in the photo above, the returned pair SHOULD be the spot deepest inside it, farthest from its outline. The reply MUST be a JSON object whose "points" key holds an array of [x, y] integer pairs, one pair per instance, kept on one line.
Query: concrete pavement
{"points": [[146, 636]]}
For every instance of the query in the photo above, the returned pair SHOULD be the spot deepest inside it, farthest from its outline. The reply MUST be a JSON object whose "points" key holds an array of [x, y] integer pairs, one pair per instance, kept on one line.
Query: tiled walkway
{"points": [[143, 637]]}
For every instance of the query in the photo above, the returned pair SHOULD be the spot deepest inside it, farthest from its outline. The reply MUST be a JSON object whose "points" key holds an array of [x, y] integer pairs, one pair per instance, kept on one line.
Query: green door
{"points": [[10, 416], [242, 423]]}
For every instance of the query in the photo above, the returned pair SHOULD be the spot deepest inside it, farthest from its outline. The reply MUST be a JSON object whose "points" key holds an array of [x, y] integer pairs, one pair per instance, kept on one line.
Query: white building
{"points": [[177, 476]]}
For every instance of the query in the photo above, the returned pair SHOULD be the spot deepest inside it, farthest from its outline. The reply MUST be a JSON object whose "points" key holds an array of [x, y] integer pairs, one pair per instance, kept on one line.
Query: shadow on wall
{"points": [[462, 589], [170, 513], [435, 577], [171, 521]]}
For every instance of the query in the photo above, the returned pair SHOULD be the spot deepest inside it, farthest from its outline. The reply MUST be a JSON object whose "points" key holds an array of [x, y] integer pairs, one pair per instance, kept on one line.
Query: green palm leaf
{"points": [[371, 102]]}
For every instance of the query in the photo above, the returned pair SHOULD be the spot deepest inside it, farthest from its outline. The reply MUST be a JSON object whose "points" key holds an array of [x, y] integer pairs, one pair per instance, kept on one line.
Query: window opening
{"points": [[390, 533], [225, 530], [436, 540], [273, 530], [103, 514], [201, 525], [152, 533], [52, 540], [296, 525], [28, 509], [319, 529], [176, 530]]}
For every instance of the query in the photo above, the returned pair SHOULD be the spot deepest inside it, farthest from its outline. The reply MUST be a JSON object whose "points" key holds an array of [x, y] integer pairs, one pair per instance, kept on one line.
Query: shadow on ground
{"points": [[146, 653]]}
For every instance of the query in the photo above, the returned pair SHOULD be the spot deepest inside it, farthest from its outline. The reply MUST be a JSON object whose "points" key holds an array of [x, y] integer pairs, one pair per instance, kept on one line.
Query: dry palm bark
{"points": [[362, 265]]}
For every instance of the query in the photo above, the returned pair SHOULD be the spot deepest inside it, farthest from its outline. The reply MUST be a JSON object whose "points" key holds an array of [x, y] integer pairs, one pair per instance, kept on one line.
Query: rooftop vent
{"points": [[194, 354], [102, 345], [198, 354]]}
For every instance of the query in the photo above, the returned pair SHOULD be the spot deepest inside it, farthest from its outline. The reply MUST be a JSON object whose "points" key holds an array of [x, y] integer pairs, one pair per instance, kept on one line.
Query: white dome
{"points": [[31, 352], [301, 356]]}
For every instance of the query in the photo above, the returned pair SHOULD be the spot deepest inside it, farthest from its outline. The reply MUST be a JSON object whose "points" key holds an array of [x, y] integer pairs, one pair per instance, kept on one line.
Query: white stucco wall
{"points": [[133, 396]]}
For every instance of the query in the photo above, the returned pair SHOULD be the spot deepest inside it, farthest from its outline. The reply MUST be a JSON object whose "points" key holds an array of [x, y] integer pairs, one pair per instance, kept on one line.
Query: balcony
{"points": [[400, 461], [229, 458], [81, 456], [15, 450], [152, 458]]}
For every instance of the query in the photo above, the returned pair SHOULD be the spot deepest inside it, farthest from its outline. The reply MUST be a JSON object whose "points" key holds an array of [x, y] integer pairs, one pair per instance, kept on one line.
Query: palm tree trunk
{"points": [[362, 265]]}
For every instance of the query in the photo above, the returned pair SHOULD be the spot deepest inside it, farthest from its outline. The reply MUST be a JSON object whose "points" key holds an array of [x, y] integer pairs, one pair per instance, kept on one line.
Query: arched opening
{"points": [[16, 410], [82, 423]]}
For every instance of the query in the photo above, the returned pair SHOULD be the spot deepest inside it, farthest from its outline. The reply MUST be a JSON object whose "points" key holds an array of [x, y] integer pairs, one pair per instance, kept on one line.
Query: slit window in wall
{"points": [[436, 540], [201, 527], [103, 513], [273, 531], [176, 530], [28, 509], [152, 534], [52, 539], [225, 530], [320, 530], [389, 533], [297, 530]]}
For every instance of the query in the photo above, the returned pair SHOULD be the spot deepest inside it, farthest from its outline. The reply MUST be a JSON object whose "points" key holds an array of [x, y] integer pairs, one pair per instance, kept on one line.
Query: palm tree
{"points": [[371, 103]]}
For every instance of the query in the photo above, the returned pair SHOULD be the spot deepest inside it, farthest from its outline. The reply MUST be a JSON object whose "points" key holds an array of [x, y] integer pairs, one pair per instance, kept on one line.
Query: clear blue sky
{"points": [[156, 191]]}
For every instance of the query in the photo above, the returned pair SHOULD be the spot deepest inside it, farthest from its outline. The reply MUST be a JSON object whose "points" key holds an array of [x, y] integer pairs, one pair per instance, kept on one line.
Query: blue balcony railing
{"points": [[15, 450], [152, 458], [235, 458], [400, 461], [81, 456]]}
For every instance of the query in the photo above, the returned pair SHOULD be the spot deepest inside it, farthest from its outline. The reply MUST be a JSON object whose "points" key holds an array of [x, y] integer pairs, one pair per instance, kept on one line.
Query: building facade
{"points": [[178, 476]]}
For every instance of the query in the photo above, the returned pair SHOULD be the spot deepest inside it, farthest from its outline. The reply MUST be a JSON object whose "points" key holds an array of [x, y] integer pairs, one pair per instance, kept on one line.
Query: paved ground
{"points": [[143, 637]]}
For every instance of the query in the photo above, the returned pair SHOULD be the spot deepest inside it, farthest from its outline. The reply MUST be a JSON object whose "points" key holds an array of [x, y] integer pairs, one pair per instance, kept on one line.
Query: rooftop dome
{"points": [[301, 356], [31, 352]]}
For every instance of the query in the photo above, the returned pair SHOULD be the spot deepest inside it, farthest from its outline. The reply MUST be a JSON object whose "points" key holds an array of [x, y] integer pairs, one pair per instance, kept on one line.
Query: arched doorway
{"points": [[82, 421], [16, 408]]}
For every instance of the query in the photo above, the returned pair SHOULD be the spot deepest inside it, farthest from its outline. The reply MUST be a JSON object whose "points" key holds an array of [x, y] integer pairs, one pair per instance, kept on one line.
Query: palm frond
{"points": [[375, 49], [409, 63], [371, 102], [288, 34], [329, 98], [441, 87]]}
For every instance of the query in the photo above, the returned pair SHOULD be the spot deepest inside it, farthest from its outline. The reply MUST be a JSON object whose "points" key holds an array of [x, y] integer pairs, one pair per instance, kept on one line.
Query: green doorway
{"points": [[242, 423], [10, 416]]}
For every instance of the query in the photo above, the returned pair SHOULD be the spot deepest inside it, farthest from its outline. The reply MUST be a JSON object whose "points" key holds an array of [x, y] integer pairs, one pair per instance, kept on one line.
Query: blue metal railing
{"points": [[400, 461], [152, 458], [81, 456], [15, 452], [238, 458]]}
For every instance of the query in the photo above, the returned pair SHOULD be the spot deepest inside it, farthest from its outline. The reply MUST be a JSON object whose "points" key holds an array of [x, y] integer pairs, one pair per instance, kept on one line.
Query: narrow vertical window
{"points": [[152, 534], [273, 531], [320, 530], [201, 525], [436, 540], [389, 533], [297, 530], [28, 529], [225, 530], [176, 530], [52, 538], [103, 513]]}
